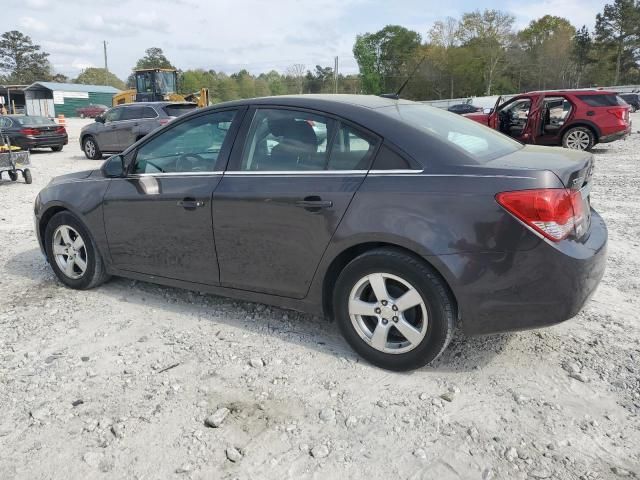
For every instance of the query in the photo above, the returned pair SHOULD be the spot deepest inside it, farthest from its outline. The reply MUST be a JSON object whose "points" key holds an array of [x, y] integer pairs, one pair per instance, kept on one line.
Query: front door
{"points": [[107, 135], [158, 218], [281, 199]]}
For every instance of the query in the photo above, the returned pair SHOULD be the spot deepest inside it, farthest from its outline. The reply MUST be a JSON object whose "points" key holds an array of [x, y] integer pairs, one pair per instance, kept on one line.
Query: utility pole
{"points": [[335, 75], [106, 68]]}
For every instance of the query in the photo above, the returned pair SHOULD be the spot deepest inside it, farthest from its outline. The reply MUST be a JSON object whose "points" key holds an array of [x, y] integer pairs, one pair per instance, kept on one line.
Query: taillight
{"points": [[61, 130], [553, 212], [620, 113], [29, 131]]}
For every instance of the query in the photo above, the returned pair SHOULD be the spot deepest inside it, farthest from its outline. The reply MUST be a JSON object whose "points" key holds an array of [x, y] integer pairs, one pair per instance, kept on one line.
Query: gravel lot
{"points": [[132, 380]]}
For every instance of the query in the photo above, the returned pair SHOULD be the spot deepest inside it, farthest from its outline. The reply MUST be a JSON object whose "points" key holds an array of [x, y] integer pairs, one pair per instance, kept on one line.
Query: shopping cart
{"points": [[14, 161]]}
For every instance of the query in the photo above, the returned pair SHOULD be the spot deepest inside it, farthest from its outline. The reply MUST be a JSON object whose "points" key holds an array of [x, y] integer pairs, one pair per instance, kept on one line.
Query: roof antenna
{"points": [[396, 96]]}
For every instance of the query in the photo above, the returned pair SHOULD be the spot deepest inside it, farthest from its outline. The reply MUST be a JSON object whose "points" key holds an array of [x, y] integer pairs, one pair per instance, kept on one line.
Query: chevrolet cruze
{"points": [[401, 222]]}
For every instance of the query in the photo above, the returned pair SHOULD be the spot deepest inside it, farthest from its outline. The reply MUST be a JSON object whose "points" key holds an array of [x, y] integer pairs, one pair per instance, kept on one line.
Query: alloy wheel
{"points": [[70, 252], [90, 148], [578, 140], [388, 313]]}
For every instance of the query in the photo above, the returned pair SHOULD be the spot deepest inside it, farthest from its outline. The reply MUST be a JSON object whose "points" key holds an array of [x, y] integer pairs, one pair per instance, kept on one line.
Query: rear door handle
{"points": [[190, 203], [314, 203]]}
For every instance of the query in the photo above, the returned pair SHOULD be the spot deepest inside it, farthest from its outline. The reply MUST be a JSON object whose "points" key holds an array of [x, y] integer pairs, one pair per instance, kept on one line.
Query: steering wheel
{"points": [[189, 163]]}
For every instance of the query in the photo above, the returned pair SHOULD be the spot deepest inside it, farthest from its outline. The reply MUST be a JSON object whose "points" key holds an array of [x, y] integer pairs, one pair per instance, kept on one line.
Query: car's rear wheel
{"points": [[578, 138], [90, 148], [72, 252], [393, 309], [57, 148]]}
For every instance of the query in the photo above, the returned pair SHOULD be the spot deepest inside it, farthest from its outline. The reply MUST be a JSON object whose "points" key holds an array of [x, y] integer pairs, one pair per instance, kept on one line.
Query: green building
{"points": [[51, 99]]}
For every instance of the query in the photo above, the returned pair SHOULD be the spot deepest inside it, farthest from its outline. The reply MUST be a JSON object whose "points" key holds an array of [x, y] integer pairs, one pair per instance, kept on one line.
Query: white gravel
{"points": [[83, 393]]}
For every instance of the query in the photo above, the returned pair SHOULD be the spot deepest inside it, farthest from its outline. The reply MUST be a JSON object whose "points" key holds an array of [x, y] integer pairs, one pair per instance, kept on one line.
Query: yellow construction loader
{"points": [[157, 85]]}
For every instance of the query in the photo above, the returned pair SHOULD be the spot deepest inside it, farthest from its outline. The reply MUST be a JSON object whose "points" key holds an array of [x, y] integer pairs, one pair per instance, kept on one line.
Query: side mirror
{"points": [[99, 119], [114, 167]]}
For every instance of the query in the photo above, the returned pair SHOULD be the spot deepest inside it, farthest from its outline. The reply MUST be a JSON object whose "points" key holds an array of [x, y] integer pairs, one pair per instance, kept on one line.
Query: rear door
{"points": [[287, 187], [127, 126], [158, 218]]}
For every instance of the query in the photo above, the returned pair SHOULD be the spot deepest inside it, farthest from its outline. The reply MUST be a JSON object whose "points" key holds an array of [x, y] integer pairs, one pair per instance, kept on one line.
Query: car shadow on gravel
{"points": [[463, 354]]}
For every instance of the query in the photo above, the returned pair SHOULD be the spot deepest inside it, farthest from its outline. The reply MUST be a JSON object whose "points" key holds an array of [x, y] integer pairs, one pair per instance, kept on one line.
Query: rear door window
{"points": [[148, 112], [351, 150], [286, 140], [131, 113]]}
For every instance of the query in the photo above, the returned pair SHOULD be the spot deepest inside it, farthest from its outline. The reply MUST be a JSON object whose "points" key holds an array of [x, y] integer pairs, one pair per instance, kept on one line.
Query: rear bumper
{"points": [[615, 136], [529, 289], [41, 142]]}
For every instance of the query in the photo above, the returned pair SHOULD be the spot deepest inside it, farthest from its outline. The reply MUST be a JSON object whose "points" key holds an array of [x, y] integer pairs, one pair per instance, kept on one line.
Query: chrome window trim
{"points": [[295, 172], [174, 174]]}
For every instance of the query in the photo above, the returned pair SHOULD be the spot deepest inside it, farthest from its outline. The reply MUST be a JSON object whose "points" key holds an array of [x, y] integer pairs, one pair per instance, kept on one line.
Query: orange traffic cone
{"points": [[61, 120]]}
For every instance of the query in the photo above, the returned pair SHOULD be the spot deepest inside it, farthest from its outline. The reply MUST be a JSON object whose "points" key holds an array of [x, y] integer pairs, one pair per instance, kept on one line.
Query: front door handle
{"points": [[314, 203], [190, 203]]}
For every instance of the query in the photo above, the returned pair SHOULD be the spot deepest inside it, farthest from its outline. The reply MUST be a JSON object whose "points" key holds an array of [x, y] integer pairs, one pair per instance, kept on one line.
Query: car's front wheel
{"points": [[72, 252], [578, 138], [393, 309], [91, 149]]}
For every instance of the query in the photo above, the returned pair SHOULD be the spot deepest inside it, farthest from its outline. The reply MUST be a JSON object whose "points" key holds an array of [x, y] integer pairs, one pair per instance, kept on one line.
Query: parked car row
{"points": [[117, 128], [398, 220], [32, 131], [577, 119]]}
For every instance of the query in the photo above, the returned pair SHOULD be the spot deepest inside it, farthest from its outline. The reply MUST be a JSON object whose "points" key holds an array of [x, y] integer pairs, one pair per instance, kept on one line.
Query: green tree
{"points": [[99, 76], [22, 61], [547, 43], [581, 53], [386, 57], [488, 34], [618, 27]]}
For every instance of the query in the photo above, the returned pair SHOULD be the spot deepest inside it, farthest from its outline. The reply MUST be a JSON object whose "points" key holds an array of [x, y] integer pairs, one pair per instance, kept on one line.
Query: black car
{"points": [[462, 108], [403, 223], [32, 131], [119, 127], [633, 99]]}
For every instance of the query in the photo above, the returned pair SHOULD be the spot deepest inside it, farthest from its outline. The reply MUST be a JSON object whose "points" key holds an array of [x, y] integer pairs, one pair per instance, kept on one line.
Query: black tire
{"points": [[95, 272], [439, 304], [92, 153], [26, 174], [578, 138], [57, 148], [13, 175]]}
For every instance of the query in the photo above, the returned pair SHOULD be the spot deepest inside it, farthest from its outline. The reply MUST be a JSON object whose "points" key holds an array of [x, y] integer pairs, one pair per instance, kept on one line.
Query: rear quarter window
{"points": [[604, 100], [387, 159]]}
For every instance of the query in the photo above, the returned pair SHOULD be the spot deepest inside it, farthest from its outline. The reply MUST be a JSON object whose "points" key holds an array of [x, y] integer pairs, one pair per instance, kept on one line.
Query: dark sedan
{"points": [[463, 108], [401, 223], [31, 131]]}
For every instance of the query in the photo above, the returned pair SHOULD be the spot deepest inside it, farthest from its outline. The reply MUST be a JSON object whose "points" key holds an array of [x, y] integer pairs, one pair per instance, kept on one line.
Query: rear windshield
{"points": [[178, 109], [604, 100], [477, 141], [33, 120]]}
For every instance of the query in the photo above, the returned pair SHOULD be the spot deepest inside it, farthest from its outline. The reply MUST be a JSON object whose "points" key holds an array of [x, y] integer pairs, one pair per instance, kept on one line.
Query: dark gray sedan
{"points": [[121, 126], [400, 221]]}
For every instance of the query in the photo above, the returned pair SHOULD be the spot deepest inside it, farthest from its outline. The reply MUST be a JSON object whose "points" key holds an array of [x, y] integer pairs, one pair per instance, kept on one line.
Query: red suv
{"points": [[575, 119]]}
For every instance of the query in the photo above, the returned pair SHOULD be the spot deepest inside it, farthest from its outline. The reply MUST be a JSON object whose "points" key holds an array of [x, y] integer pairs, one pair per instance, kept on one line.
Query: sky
{"points": [[229, 35]]}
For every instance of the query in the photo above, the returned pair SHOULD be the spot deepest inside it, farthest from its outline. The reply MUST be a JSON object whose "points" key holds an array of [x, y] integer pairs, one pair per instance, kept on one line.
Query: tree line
{"points": [[479, 53]]}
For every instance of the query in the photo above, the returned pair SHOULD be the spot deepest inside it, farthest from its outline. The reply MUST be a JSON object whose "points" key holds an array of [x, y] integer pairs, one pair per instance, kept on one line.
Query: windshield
{"points": [[477, 141], [34, 120], [158, 82]]}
